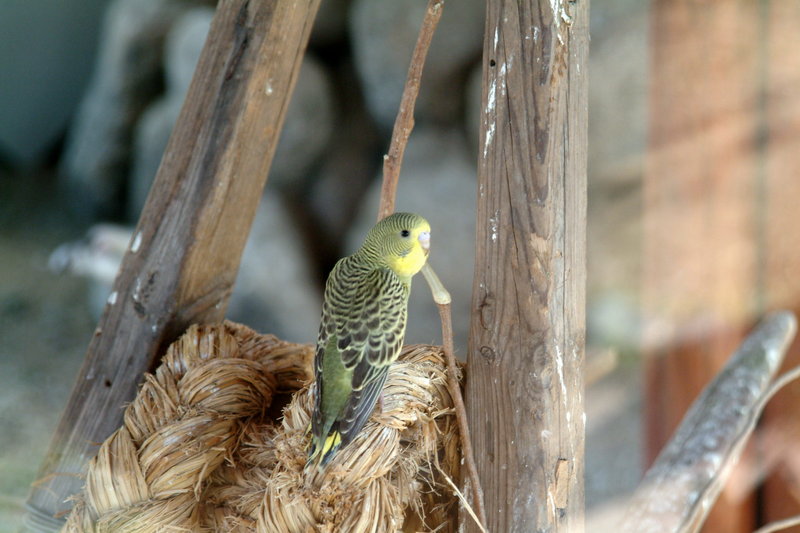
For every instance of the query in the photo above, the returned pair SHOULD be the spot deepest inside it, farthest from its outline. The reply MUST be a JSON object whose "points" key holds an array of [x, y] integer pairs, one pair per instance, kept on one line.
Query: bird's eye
{"points": [[405, 233]]}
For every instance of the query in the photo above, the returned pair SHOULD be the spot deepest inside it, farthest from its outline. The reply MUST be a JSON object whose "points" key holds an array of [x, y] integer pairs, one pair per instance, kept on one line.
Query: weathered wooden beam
{"points": [[185, 252], [681, 487], [525, 359]]}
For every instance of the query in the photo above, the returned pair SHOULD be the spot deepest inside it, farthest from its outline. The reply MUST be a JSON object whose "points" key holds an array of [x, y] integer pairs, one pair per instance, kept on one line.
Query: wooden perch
{"points": [[471, 480], [525, 358], [182, 261], [678, 490]]}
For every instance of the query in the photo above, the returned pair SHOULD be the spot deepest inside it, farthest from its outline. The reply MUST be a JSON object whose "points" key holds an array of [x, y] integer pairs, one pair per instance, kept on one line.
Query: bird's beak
{"points": [[425, 240]]}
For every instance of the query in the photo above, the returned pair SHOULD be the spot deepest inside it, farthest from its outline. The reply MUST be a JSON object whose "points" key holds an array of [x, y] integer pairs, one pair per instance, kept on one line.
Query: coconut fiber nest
{"points": [[206, 447]]}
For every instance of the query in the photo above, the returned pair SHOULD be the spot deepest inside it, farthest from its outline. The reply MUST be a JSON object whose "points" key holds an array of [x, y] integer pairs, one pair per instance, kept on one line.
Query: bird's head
{"points": [[401, 241]]}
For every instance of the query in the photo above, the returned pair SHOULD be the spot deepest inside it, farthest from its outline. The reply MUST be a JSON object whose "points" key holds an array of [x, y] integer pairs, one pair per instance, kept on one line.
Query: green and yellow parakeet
{"points": [[362, 328]]}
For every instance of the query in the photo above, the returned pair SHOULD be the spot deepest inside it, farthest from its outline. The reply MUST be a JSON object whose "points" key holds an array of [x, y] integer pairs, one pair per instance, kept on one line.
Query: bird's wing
{"points": [[369, 341]]}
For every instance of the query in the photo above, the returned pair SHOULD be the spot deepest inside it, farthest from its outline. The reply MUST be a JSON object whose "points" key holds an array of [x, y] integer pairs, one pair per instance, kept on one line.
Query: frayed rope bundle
{"points": [[198, 450]]}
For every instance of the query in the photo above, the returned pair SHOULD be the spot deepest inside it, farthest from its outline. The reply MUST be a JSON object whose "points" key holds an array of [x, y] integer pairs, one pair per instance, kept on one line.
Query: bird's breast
{"points": [[406, 266]]}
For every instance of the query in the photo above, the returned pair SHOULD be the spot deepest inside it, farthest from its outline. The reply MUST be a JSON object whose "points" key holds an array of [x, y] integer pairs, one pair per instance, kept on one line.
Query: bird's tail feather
{"points": [[324, 449]]}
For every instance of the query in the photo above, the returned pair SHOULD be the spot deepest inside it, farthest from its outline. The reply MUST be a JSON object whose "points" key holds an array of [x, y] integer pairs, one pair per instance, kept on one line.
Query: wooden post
{"points": [[185, 251], [525, 360]]}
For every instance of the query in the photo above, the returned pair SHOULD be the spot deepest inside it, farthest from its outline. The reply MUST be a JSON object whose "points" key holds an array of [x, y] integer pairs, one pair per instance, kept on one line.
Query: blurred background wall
{"points": [[46, 54]]}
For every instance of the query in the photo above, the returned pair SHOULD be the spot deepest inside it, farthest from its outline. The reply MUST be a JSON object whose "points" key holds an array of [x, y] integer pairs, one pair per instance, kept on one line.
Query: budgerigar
{"points": [[362, 328]]}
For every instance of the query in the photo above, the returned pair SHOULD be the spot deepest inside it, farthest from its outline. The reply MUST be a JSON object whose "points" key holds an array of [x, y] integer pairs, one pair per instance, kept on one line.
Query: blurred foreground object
{"points": [[680, 488]]}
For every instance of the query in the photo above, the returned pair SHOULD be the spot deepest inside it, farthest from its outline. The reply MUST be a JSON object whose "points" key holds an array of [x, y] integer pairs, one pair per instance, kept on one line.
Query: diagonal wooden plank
{"points": [[184, 255]]}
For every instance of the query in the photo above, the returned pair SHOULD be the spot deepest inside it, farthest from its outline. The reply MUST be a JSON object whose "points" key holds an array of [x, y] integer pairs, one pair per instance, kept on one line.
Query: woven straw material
{"points": [[200, 451]]}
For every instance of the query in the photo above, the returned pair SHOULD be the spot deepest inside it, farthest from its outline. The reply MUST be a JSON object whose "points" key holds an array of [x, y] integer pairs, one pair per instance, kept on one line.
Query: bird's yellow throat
{"points": [[405, 266]]}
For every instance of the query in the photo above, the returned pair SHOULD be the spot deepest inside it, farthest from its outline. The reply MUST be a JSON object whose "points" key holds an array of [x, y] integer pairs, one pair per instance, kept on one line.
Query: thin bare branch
{"points": [[404, 122], [442, 299], [783, 380]]}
